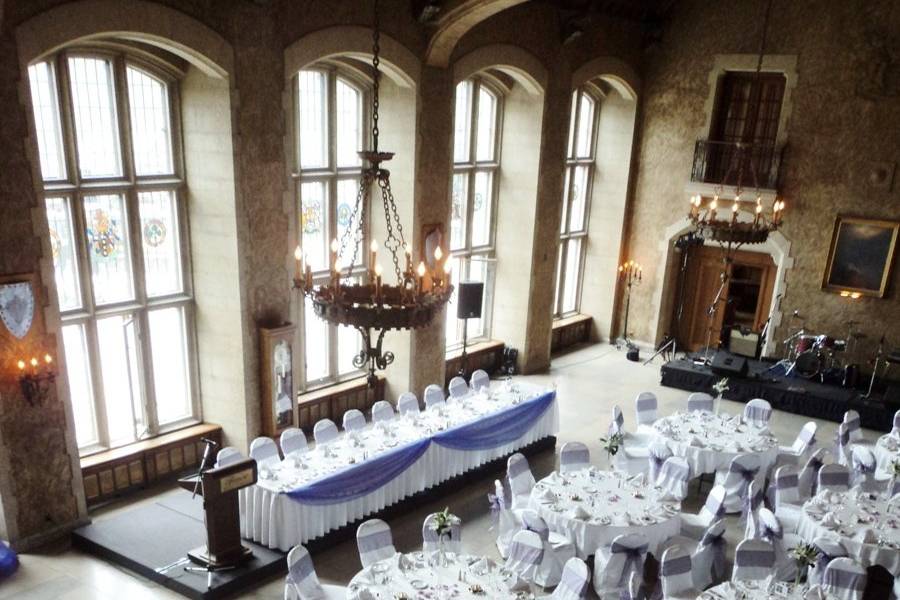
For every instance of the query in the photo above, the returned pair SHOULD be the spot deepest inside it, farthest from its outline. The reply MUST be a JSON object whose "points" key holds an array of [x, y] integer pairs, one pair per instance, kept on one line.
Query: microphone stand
{"points": [[209, 569]]}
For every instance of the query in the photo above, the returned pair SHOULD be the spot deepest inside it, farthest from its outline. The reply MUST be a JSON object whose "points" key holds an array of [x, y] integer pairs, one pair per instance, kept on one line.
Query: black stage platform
{"points": [[153, 540], [790, 394]]}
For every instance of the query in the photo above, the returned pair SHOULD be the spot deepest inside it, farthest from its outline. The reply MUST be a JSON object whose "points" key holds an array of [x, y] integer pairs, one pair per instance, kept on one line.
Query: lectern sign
{"points": [[236, 481]]}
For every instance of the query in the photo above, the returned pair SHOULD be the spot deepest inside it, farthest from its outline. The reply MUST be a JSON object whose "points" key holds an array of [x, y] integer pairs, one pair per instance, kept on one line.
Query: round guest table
{"points": [[709, 441], [758, 590], [867, 525], [593, 507], [887, 450], [417, 575]]}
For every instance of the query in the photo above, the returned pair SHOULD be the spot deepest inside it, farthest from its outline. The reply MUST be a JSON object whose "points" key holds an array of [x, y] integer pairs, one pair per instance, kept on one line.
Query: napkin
{"points": [[829, 520], [548, 496], [867, 536], [519, 585], [637, 480], [579, 513], [815, 593], [481, 566]]}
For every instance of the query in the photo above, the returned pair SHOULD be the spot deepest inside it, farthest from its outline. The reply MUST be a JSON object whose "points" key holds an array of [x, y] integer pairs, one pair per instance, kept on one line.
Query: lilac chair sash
{"points": [[573, 582], [834, 478], [773, 534], [787, 481], [374, 541], [845, 580], [754, 558], [676, 566], [657, 455], [645, 404], [815, 464], [577, 456], [757, 413], [634, 559], [300, 570], [718, 543], [715, 506]]}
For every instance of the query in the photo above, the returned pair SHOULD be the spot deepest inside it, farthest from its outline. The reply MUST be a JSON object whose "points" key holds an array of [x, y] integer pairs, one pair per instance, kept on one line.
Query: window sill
{"points": [[133, 448], [482, 346], [334, 389], [570, 320]]}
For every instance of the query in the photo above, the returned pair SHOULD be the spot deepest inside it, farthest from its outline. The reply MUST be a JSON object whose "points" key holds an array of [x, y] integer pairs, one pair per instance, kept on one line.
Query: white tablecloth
{"points": [[710, 441], [418, 576], [612, 505], [274, 519], [846, 516], [753, 590], [887, 450]]}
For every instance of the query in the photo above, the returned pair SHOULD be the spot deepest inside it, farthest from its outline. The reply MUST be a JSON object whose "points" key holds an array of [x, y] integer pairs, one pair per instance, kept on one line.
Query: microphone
{"points": [[209, 442]]}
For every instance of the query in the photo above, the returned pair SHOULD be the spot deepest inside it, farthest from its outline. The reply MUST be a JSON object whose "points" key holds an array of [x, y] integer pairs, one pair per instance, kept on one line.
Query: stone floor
{"points": [[589, 382]]}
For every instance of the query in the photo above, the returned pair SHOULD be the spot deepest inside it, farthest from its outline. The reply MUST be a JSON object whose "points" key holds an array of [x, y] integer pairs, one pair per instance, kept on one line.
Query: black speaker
{"points": [[468, 300], [725, 363]]}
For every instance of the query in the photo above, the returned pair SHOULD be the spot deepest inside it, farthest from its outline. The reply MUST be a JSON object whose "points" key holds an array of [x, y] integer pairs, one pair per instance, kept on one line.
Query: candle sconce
{"points": [[36, 383]]}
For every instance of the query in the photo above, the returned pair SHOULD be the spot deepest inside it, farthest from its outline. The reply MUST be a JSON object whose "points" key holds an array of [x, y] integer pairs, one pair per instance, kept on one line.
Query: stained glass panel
{"points": [[579, 196], [151, 132], [458, 210], [462, 121], [121, 391], [313, 228], [348, 106], [312, 121], [482, 203], [168, 348], [62, 247], [487, 119], [107, 238], [347, 190], [159, 230], [81, 393], [94, 110], [45, 104]]}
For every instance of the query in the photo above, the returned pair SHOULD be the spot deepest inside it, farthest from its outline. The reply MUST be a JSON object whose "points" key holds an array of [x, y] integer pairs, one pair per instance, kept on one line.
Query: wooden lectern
{"points": [[221, 514]]}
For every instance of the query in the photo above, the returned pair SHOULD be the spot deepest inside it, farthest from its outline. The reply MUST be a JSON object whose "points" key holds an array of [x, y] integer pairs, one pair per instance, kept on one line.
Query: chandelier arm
{"points": [[391, 242]]}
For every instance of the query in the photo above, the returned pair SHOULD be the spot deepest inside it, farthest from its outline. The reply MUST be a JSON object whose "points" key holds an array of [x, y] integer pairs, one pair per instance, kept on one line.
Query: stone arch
{"points": [[616, 72], [519, 64], [456, 22], [777, 246], [398, 62], [148, 22]]}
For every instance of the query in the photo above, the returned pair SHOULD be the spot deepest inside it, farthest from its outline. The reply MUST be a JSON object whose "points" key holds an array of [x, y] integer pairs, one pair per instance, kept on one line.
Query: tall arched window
{"points": [[330, 129], [108, 138], [476, 162], [575, 211]]}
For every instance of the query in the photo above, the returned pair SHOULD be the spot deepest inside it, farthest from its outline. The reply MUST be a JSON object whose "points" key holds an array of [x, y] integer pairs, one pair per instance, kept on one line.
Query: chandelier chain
{"points": [[376, 60]]}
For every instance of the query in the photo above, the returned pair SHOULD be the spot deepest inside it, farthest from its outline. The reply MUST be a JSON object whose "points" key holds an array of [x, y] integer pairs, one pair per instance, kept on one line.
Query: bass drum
{"points": [[808, 364]]}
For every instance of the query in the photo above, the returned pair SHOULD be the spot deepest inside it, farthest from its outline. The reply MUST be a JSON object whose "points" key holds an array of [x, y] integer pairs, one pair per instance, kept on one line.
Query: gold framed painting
{"points": [[861, 256]]}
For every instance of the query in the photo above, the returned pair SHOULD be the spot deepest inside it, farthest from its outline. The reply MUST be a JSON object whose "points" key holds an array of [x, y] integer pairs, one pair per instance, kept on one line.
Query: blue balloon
{"points": [[9, 561]]}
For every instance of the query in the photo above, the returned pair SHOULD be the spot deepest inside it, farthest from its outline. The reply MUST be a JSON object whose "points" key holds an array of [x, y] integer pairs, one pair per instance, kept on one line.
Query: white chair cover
{"points": [[574, 456], [863, 464], [771, 531], [699, 401], [635, 589], [757, 412], [228, 456], [301, 582], [845, 579], [676, 575], [430, 542], [835, 478], [526, 552], [787, 497], [325, 431], [646, 407], [753, 560], [742, 470], [354, 420], [264, 451], [374, 541], [802, 446], [895, 430], [434, 396], [708, 559], [618, 422], [827, 549], [382, 412], [809, 475], [549, 572], [293, 441], [505, 521], [458, 387], [753, 501], [614, 564], [674, 477], [851, 418], [695, 526], [480, 380], [521, 481], [658, 452], [842, 444], [574, 582], [408, 403]]}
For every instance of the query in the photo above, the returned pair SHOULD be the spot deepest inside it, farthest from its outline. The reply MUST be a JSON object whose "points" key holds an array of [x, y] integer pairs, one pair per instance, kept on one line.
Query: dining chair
{"points": [[302, 583], [786, 497], [614, 564], [845, 579], [757, 412], [407, 403], [753, 560], [354, 420], [750, 510], [458, 387], [770, 529], [700, 402], [574, 582], [708, 559], [480, 380], [694, 526], [374, 542], [325, 432], [521, 481], [382, 412], [827, 549], [525, 554], [834, 478], [674, 477], [658, 452], [808, 481], [676, 576], [742, 470], [802, 446], [430, 538], [434, 396], [264, 451], [293, 441], [646, 409], [228, 456], [505, 521], [574, 456], [559, 545]]}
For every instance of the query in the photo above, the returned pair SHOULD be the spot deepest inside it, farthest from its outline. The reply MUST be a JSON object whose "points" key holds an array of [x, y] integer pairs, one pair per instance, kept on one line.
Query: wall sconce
{"points": [[35, 382], [851, 295]]}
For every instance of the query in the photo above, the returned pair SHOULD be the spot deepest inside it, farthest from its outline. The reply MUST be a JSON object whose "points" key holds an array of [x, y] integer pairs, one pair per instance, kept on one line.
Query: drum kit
{"points": [[821, 356]]}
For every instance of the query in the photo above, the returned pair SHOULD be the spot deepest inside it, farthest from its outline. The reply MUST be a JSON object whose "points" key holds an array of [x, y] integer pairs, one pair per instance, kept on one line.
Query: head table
{"points": [[709, 441], [868, 525], [420, 576], [304, 497], [593, 507]]}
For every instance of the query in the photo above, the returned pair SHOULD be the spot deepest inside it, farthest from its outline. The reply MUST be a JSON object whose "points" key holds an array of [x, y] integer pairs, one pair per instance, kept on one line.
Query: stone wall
{"points": [[846, 105]]}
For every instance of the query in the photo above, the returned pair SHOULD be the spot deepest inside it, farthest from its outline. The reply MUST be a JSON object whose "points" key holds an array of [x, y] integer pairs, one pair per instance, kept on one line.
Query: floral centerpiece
{"points": [[612, 443], [806, 556], [720, 387], [442, 525]]}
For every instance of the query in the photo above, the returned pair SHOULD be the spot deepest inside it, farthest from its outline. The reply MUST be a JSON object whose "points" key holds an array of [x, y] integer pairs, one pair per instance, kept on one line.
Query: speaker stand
{"points": [[464, 357]]}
